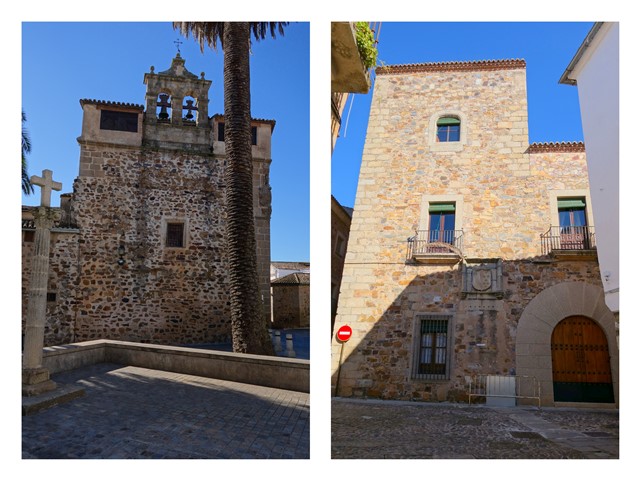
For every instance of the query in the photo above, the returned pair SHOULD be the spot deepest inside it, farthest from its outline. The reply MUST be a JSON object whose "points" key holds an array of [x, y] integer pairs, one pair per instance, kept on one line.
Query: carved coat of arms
{"points": [[481, 279]]}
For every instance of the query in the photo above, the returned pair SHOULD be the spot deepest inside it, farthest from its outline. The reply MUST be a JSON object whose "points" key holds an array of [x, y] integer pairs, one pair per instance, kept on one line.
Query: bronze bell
{"points": [[163, 104]]}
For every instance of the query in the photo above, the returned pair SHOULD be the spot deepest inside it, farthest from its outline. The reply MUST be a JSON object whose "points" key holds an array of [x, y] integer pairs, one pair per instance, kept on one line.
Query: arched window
{"points": [[163, 109], [448, 129]]}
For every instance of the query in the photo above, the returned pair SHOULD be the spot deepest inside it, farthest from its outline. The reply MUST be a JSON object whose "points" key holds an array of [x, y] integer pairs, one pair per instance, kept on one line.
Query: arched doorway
{"points": [[541, 316], [581, 362]]}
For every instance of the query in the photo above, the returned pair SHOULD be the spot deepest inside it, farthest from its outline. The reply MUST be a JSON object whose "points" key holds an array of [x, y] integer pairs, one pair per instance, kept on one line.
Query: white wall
{"points": [[597, 74]]}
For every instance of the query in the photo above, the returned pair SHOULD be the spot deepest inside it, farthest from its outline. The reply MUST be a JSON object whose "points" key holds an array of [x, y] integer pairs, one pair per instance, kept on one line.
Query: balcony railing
{"points": [[435, 243], [568, 239]]}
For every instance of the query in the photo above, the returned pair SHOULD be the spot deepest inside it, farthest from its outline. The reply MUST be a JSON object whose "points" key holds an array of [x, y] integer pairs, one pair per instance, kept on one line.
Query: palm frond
{"points": [[27, 188], [209, 34]]}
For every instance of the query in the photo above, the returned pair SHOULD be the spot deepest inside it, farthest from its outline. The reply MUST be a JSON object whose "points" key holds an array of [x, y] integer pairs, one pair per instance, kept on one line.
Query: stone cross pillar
{"points": [[35, 379]]}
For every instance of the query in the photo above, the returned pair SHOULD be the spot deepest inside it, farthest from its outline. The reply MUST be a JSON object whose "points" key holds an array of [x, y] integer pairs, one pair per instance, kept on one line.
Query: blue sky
{"points": [[65, 62], [109, 65], [554, 111]]}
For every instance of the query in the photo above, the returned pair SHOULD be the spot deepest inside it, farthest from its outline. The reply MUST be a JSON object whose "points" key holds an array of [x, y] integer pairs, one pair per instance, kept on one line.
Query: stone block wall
{"points": [[291, 306], [340, 224], [505, 193]]}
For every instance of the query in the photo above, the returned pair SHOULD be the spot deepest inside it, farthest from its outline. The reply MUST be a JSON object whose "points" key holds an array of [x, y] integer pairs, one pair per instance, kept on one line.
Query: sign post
{"points": [[342, 335]]}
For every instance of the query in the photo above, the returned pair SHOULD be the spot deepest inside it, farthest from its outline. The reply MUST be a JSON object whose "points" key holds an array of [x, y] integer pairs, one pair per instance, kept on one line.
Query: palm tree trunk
{"points": [[248, 322]]}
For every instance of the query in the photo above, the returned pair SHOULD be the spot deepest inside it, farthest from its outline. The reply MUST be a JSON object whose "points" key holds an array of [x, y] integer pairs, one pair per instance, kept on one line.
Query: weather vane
{"points": [[178, 43]]}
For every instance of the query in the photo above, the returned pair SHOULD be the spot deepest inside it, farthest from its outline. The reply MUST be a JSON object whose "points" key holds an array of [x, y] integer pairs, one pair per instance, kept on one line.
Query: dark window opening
{"points": [[119, 121], [29, 235], [51, 296], [175, 235], [432, 349], [340, 245]]}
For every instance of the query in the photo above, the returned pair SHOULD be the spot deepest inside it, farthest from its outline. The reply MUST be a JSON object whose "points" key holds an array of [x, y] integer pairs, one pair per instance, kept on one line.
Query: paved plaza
{"points": [[375, 429], [136, 413]]}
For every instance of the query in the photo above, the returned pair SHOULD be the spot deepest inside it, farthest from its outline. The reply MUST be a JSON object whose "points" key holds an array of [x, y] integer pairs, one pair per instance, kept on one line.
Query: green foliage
{"points": [[27, 188], [366, 44]]}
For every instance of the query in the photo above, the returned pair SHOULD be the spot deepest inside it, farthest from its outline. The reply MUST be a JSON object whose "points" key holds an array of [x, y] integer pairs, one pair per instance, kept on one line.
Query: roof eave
{"points": [[565, 79]]}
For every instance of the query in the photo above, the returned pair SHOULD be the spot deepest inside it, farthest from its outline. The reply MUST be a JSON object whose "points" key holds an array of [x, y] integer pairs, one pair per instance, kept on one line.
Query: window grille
{"points": [[432, 349], [175, 235]]}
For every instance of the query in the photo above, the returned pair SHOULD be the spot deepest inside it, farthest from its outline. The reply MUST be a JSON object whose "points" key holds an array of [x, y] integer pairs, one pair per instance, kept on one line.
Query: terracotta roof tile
{"points": [[452, 66], [556, 147], [220, 116], [112, 104]]}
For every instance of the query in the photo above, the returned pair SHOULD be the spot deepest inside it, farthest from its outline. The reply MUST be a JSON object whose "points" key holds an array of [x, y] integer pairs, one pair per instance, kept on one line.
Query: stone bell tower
{"points": [[177, 108]]}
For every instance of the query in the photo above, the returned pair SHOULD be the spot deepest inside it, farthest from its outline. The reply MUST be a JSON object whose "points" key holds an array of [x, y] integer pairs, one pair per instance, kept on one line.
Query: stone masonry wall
{"points": [[340, 224], [63, 270], [160, 294], [291, 307], [504, 197]]}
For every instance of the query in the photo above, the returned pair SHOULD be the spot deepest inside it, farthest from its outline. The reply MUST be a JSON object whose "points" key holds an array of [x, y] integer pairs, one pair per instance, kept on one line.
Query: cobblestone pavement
{"points": [[130, 412], [375, 429]]}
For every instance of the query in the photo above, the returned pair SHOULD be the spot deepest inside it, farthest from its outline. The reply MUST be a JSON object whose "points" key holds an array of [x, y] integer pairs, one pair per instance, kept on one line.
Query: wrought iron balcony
{"points": [[431, 246], [568, 240]]}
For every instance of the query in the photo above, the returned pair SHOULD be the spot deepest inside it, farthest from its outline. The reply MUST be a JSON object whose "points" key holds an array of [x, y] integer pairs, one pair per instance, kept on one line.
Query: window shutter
{"points": [[448, 121], [442, 207], [571, 203]]}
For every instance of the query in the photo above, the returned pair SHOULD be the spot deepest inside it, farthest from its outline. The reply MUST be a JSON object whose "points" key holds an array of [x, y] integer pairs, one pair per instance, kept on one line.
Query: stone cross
{"points": [[46, 184], [35, 378]]}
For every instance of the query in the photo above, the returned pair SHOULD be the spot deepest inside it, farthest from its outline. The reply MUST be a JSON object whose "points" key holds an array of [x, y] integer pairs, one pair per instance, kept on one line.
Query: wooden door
{"points": [[580, 360]]}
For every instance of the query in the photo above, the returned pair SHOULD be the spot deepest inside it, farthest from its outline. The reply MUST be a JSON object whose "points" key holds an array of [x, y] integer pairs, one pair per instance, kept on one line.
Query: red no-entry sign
{"points": [[344, 333]]}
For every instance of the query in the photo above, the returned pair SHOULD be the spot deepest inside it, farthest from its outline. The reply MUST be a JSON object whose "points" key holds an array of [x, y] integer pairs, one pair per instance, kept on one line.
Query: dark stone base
{"points": [[59, 394], [35, 381]]}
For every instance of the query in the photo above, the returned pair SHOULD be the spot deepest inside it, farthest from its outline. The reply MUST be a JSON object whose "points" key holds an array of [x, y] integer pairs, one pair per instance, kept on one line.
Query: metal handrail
{"points": [[525, 386], [435, 241], [568, 238]]}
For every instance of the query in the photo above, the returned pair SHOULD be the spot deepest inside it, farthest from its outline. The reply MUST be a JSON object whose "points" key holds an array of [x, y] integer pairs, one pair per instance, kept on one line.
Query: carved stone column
{"points": [[35, 379]]}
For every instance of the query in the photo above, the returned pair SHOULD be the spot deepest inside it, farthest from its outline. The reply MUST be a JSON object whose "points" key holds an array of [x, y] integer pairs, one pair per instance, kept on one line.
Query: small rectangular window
{"points": [[341, 245], [175, 235], [29, 235], [51, 296], [448, 129], [432, 344], [221, 132]]}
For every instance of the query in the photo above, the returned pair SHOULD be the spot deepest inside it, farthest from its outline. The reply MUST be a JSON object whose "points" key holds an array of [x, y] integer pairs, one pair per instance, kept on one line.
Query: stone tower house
{"points": [[140, 252], [471, 251]]}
